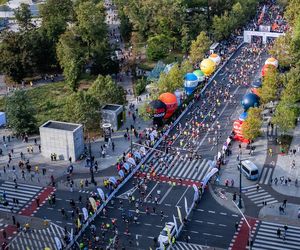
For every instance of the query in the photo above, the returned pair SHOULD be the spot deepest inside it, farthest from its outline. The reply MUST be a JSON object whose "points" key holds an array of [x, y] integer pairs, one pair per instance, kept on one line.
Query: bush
{"points": [[139, 86], [285, 141]]}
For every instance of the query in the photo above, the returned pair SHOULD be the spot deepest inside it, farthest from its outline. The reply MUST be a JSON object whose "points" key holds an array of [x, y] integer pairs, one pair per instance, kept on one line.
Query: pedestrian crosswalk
{"points": [[181, 168], [180, 245], [266, 174], [23, 194], [38, 239], [258, 197], [266, 237]]}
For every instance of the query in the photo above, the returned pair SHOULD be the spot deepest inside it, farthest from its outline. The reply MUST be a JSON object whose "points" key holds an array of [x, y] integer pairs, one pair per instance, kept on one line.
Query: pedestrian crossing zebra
{"points": [[185, 169], [265, 177], [266, 237], [23, 193], [258, 197], [38, 239], [180, 245]]}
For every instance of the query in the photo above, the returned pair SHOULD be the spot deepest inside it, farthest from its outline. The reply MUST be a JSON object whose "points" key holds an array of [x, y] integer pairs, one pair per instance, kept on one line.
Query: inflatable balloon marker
{"points": [[171, 103], [158, 108], [200, 75], [190, 83], [250, 100], [257, 84], [272, 61], [207, 66], [216, 58]]}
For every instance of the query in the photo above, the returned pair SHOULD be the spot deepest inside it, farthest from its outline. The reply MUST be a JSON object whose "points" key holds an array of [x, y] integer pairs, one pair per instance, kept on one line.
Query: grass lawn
{"points": [[48, 100]]}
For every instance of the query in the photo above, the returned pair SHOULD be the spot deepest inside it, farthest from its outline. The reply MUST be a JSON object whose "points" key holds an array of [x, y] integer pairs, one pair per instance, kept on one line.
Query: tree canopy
{"points": [[20, 113], [158, 47], [81, 107], [23, 16], [252, 125], [105, 90], [285, 116], [199, 47], [269, 90]]}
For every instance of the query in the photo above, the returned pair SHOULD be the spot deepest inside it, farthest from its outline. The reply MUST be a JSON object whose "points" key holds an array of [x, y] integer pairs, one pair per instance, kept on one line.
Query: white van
{"points": [[249, 169]]}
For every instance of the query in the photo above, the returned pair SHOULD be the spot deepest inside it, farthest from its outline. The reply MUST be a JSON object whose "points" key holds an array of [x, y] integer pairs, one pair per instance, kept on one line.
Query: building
{"points": [[62, 138], [113, 114]]}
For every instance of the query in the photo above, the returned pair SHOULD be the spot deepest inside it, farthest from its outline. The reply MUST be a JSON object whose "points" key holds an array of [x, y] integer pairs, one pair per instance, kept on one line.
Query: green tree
{"points": [[105, 90], [23, 16], [252, 125], [199, 47], [55, 15], [269, 90], [15, 56], [185, 41], [296, 40], [285, 116], [291, 92], [222, 26], [81, 107], [152, 17], [171, 81], [282, 50], [125, 26], [158, 47], [90, 25], [292, 11], [186, 67], [20, 113], [139, 86], [238, 15], [70, 54], [144, 112]]}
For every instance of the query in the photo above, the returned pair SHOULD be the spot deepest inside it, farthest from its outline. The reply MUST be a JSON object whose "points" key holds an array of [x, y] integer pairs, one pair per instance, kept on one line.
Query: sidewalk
{"points": [[271, 213], [230, 170], [283, 168], [6, 223]]}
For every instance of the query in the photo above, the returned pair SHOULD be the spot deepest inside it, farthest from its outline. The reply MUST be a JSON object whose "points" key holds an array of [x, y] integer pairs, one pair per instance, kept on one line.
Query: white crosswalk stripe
{"points": [[179, 245], [266, 176], [258, 196], [266, 237], [24, 193], [184, 169], [38, 239]]}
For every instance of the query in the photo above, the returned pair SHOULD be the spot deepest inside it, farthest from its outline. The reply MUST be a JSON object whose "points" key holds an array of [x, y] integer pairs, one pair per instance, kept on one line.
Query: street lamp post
{"points": [[131, 140], [240, 166], [91, 162]]}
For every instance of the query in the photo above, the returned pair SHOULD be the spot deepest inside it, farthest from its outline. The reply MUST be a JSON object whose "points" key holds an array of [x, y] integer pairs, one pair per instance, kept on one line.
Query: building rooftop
{"points": [[112, 107], [61, 125]]}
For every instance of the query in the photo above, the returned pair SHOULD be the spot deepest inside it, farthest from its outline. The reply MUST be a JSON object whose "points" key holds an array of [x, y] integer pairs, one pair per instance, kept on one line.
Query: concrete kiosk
{"points": [[62, 138]]}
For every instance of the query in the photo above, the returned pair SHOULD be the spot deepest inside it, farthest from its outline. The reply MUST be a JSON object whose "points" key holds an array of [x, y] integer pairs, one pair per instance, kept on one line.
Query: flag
{"points": [[101, 193], [93, 203], [186, 206], [179, 215], [169, 234], [85, 213], [175, 222]]}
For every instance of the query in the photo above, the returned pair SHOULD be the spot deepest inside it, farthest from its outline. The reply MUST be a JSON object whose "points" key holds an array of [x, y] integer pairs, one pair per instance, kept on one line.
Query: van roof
{"points": [[249, 164]]}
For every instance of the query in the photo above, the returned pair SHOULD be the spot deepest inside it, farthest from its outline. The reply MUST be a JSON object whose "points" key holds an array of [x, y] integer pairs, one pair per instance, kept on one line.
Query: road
{"points": [[165, 169], [210, 224]]}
